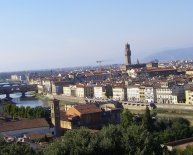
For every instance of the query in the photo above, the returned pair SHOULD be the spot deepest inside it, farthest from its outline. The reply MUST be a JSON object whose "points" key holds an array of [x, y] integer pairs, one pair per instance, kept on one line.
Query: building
{"points": [[164, 95], [157, 72], [98, 92], [25, 126], [55, 116], [133, 93], [16, 78], [90, 116], [179, 91], [84, 91], [102, 92], [66, 90], [189, 72], [120, 93], [132, 73], [80, 91], [189, 96], [127, 54], [152, 65], [69, 90], [81, 115], [142, 94], [150, 94]]}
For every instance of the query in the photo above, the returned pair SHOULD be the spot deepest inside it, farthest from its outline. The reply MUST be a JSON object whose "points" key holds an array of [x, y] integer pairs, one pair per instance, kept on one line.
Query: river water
{"points": [[27, 101]]}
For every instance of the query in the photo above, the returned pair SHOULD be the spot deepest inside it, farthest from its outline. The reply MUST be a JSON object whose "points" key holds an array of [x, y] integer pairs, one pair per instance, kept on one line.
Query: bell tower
{"points": [[127, 54], [55, 116]]}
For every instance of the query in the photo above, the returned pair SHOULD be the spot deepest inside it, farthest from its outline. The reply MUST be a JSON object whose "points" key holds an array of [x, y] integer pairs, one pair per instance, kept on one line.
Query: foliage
{"points": [[25, 112], [108, 94], [110, 140], [147, 121], [170, 130], [128, 138], [126, 118], [15, 148], [79, 142], [187, 151]]}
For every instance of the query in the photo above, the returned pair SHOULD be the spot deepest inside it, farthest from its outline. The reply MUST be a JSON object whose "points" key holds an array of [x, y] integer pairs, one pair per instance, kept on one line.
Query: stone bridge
{"points": [[22, 88]]}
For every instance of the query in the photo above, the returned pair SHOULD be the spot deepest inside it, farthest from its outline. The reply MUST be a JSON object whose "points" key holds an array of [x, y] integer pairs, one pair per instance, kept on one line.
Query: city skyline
{"points": [[47, 34]]}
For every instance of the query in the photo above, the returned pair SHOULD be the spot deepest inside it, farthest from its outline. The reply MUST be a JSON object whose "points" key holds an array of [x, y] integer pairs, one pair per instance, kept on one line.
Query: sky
{"points": [[43, 34]]}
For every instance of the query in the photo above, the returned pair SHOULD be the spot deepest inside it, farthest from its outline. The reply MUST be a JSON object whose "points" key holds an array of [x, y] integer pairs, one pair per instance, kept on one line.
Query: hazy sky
{"points": [[38, 34]]}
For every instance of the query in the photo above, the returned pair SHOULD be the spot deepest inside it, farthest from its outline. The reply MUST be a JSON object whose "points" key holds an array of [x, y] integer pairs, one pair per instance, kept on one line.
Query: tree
{"points": [[110, 140], [147, 121], [108, 94], [126, 118], [15, 148], [81, 141]]}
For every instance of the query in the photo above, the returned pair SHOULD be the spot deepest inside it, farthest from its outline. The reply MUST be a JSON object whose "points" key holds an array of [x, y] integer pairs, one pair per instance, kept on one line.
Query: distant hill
{"points": [[174, 54]]}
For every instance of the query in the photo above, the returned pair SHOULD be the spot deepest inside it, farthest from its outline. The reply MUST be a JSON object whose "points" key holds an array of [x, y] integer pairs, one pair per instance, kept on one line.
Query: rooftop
{"points": [[23, 124], [87, 109]]}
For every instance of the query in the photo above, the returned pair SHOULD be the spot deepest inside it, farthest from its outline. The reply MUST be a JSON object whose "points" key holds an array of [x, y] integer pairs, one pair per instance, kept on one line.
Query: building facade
{"points": [[120, 93], [133, 93]]}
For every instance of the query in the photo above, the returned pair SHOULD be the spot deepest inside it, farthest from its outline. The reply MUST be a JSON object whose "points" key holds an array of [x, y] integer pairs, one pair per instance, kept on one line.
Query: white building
{"points": [[66, 90], [47, 84], [149, 93], [16, 77], [69, 90], [98, 92], [119, 93], [80, 91], [132, 73], [133, 93], [164, 95]]}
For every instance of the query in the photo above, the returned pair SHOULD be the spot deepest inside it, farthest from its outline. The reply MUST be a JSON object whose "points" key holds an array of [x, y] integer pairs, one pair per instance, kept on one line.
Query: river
{"points": [[28, 101]]}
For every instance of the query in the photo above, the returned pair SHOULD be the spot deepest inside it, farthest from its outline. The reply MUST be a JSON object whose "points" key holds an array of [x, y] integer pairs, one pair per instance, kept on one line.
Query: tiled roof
{"points": [[87, 109], [23, 124]]}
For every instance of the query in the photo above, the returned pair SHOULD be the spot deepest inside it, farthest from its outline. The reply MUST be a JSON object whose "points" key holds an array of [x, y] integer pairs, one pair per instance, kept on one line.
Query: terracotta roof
{"points": [[87, 109], [23, 124], [161, 69]]}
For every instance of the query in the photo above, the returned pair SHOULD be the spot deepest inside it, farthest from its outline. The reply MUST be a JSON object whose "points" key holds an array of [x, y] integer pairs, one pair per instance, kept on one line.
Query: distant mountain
{"points": [[174, 54]]}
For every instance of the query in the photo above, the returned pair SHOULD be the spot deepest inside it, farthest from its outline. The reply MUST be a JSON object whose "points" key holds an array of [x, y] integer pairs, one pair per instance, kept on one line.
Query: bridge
{"points": [[21, 88]]}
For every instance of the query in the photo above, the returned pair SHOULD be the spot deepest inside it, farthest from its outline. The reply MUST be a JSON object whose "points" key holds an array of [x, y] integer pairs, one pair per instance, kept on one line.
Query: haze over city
{"points": [[51, 34]]}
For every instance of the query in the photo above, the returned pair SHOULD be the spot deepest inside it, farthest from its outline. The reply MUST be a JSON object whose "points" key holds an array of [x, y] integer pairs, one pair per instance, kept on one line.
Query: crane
{"points": [[100, 63]]}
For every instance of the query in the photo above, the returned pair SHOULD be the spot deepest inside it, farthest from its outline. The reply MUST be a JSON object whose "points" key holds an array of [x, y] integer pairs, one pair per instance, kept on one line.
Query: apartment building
{"points": [[189, 96], [69, 90], [133, 93], [164, 95], [150, 94], [84, 91], [101, 91], [120, 93]]}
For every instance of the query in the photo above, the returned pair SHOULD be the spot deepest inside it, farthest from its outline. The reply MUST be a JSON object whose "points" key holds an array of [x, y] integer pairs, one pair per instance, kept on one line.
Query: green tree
{"points": [[74, 142], [15, 148], [110, 140], [126, 118], [108, 94], [147, 121]]}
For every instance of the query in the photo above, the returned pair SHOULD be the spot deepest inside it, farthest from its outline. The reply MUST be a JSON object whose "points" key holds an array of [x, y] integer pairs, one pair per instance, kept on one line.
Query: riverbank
{"points": [[41, 97]]}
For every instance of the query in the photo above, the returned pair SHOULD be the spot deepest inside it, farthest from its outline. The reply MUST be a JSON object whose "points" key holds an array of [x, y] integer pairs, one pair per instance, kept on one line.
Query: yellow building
{"points": [[189, 96], [189, 72]]}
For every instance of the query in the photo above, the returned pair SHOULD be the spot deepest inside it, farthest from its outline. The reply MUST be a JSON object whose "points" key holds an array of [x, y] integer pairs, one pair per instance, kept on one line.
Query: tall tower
{"points": [[55, 116], [127, 54]]}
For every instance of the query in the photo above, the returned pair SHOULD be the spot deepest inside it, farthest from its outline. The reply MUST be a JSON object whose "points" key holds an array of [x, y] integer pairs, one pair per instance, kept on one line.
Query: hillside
{"points": [[175, 54]]}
